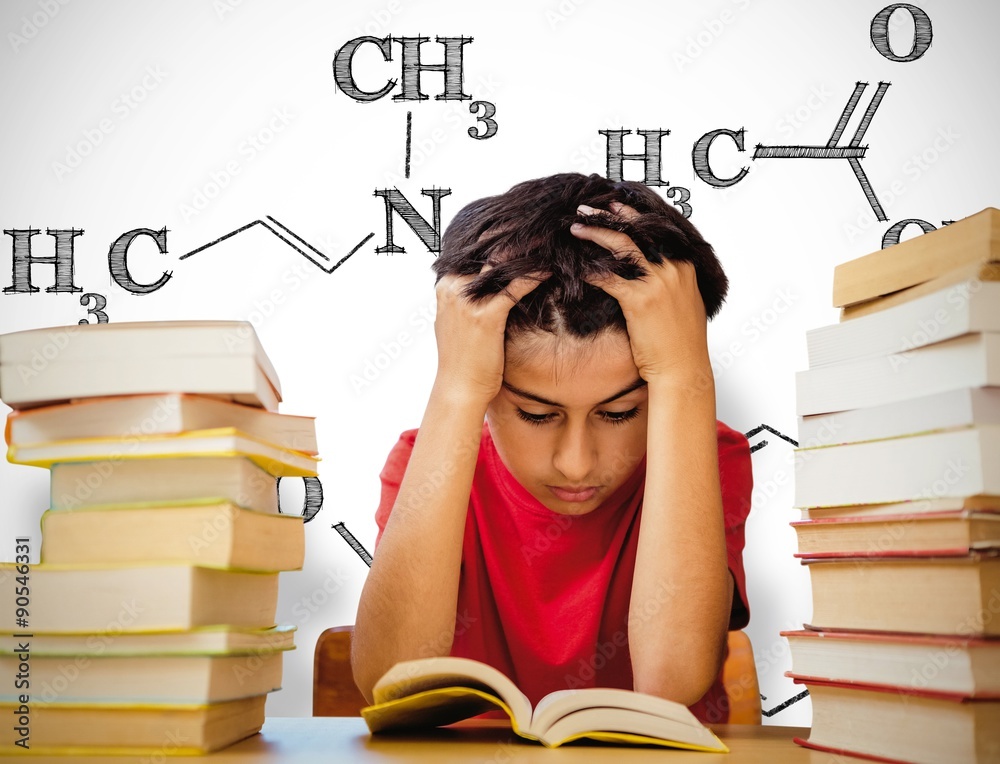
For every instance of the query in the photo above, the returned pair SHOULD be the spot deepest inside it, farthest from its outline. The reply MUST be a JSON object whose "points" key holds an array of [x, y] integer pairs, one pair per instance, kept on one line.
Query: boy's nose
{"points": [[576, 454]]}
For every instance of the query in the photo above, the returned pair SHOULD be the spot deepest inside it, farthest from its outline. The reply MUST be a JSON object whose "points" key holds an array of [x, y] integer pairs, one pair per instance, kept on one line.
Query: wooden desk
{"points": [[331, 739]]}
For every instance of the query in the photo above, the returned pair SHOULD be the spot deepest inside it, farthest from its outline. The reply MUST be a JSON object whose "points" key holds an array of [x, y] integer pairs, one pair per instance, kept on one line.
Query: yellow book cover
{"points": [[202, 640], [160, 413], [222, 441]]}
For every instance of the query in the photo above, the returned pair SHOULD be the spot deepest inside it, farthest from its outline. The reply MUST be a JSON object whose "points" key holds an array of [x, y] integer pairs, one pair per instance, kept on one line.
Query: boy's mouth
{"points": [[573, 493]]}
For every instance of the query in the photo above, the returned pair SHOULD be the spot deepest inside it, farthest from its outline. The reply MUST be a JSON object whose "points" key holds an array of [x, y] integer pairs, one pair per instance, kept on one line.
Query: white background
{"points": [[123, 115]]}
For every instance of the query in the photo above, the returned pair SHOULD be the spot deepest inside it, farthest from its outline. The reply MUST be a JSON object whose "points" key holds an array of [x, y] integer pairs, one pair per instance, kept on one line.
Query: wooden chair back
{"points": [[334, 691], [335, 694], [739, 677]]}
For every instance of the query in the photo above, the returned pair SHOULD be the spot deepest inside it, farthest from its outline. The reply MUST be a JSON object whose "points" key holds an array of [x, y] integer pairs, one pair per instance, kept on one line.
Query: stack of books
{"points": [[898, 479], [149, 624]]}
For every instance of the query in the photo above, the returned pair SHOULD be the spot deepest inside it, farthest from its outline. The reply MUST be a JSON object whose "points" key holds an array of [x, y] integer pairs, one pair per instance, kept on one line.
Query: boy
{"points": [[520, 525]]}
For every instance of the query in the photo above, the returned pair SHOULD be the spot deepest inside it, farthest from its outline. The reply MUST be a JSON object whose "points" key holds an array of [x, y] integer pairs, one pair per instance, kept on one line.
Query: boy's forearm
{"points": [[682, 589], [407, 608]]}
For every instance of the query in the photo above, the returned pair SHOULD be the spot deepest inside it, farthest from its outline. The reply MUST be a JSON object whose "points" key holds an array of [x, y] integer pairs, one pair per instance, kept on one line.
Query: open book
{"points": [[431, 692]]}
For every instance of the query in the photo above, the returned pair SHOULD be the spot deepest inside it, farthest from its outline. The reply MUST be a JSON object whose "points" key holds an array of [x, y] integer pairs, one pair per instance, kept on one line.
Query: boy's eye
{"points": [[612, 417], [533, 418], [620, 417]]}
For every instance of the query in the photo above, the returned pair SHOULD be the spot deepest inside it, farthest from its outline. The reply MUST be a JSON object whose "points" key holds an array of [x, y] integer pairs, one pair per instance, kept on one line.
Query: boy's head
{"points": [[569, 422], [526, 230]]}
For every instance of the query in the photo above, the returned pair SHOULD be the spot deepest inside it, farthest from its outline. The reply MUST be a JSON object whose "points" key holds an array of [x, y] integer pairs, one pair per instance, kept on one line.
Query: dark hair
{"points": [[526, 230]]}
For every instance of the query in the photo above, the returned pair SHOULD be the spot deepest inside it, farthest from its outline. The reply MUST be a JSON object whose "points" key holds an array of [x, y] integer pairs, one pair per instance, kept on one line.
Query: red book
{"points": [[957, 595], [969, 666], [951, 533], [901, 724]]}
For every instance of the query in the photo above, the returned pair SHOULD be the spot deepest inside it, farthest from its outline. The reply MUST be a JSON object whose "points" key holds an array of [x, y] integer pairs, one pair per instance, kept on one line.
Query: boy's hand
{"points": [[664, 311], [470, 335]]}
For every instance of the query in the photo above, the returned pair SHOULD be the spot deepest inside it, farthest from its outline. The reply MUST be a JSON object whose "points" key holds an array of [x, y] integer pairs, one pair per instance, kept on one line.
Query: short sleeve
{"points": [[391, 477], [736, 478]]}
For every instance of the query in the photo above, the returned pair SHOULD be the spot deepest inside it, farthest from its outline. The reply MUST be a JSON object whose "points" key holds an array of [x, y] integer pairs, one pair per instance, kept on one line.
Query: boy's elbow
{"points": [[372, 658], [681, 679], [680, 689]]}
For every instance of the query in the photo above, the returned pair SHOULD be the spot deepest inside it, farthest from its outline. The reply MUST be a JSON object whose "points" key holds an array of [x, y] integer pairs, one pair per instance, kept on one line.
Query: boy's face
{"points": [[570, 420]]}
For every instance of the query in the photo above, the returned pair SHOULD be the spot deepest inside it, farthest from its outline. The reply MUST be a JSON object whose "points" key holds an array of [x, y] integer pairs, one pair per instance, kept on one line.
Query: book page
{"points": [[556, 705]]}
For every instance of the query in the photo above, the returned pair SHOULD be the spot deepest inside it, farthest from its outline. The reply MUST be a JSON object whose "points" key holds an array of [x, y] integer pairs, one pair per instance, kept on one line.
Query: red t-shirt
{"points": [[544, 597]]}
